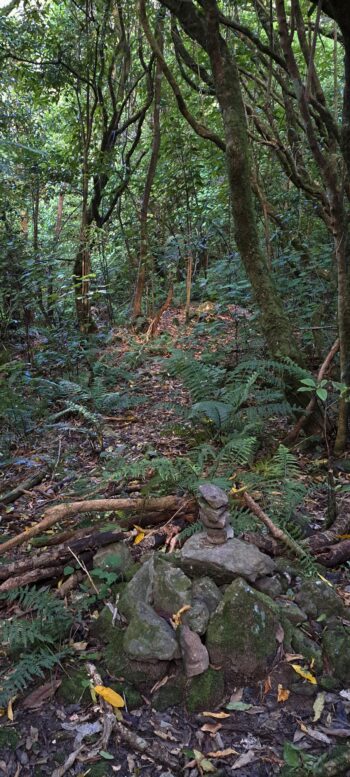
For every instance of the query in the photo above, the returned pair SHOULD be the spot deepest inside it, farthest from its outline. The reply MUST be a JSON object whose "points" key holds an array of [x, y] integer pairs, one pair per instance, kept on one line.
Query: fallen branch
{"points": [[310, 407], [59, 512], [276, 532], [25, 485]]}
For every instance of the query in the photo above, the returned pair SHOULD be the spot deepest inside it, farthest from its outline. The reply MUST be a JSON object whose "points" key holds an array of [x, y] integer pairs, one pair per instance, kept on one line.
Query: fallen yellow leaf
{"points": [[324, 580], [176, 618], [282, 693], [305, 674], [112, 697], [10, 710], [139, 537]]}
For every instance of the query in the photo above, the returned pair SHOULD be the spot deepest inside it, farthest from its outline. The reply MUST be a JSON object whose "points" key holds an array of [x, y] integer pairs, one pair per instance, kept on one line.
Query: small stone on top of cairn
{"points": [[214, 513]]}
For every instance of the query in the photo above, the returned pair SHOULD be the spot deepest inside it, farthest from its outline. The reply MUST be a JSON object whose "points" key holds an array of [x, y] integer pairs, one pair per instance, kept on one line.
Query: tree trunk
{"points": [[144, 243], [204, 27]]}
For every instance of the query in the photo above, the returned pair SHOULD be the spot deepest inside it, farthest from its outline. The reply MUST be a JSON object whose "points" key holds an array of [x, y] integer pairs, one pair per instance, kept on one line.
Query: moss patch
{"points": [[73, 689], [170, 694], [9, 738], [206, 691]]}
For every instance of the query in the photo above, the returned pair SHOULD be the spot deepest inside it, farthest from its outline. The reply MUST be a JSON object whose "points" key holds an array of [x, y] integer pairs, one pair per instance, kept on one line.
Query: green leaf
{"points": [[322, 394], [238, 706], [68, 570], [291, 754], [309, 382], [107, 756]]}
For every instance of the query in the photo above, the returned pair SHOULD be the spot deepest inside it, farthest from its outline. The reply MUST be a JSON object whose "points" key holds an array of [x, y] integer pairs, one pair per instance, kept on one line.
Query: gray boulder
{"points": [[197, 618], [241, 633], [149, 637], [225, 562], [205, 590], [114, 558], [317, 598], [171, 588], [138, 590]]}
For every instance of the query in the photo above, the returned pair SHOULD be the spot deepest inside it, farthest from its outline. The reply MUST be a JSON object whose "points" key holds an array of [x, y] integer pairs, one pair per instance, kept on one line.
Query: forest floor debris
{"points": [[38, 731]]}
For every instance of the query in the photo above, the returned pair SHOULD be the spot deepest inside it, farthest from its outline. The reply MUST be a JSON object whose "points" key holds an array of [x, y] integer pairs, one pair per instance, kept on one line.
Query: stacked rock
{"points": [[214, 513]]}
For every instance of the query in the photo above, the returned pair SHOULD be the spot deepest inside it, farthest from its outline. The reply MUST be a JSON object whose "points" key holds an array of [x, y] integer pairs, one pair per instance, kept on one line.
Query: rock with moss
{"points": [[224, 562], [74, 688], [138, 590], [149, 637], [308, 648], [336, 651], [206, 691], [317, 598], [269, 585], [197, 617], [205, 590], [171, 694], [171, 588], [141, 675], [292, 612], [241, 633], [114, 558]]}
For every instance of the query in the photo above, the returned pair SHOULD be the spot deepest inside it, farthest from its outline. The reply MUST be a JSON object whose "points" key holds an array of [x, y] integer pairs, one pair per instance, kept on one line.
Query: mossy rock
{"points": [[241, 635], [73, 689], [301, 643], [139, 674], [9, 738], [206, 691], [171, 694], [336, 649], [317, 598]]}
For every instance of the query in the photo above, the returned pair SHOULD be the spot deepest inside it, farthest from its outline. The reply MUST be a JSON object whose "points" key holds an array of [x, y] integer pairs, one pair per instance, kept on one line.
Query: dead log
{"points": [[87, 545], [31, 577], [156, 505], [334, 555], [322, 539], [25, 485]]}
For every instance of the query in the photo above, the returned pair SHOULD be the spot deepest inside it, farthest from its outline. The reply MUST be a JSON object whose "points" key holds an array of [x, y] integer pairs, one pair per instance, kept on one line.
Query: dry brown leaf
{"points": [[293, 656], [244, 760], [159, 684], [279, 634], [211, 728], [41, 695], [223, 753], [282, 693], [236, 695], [267, 685], [217, 715]]}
